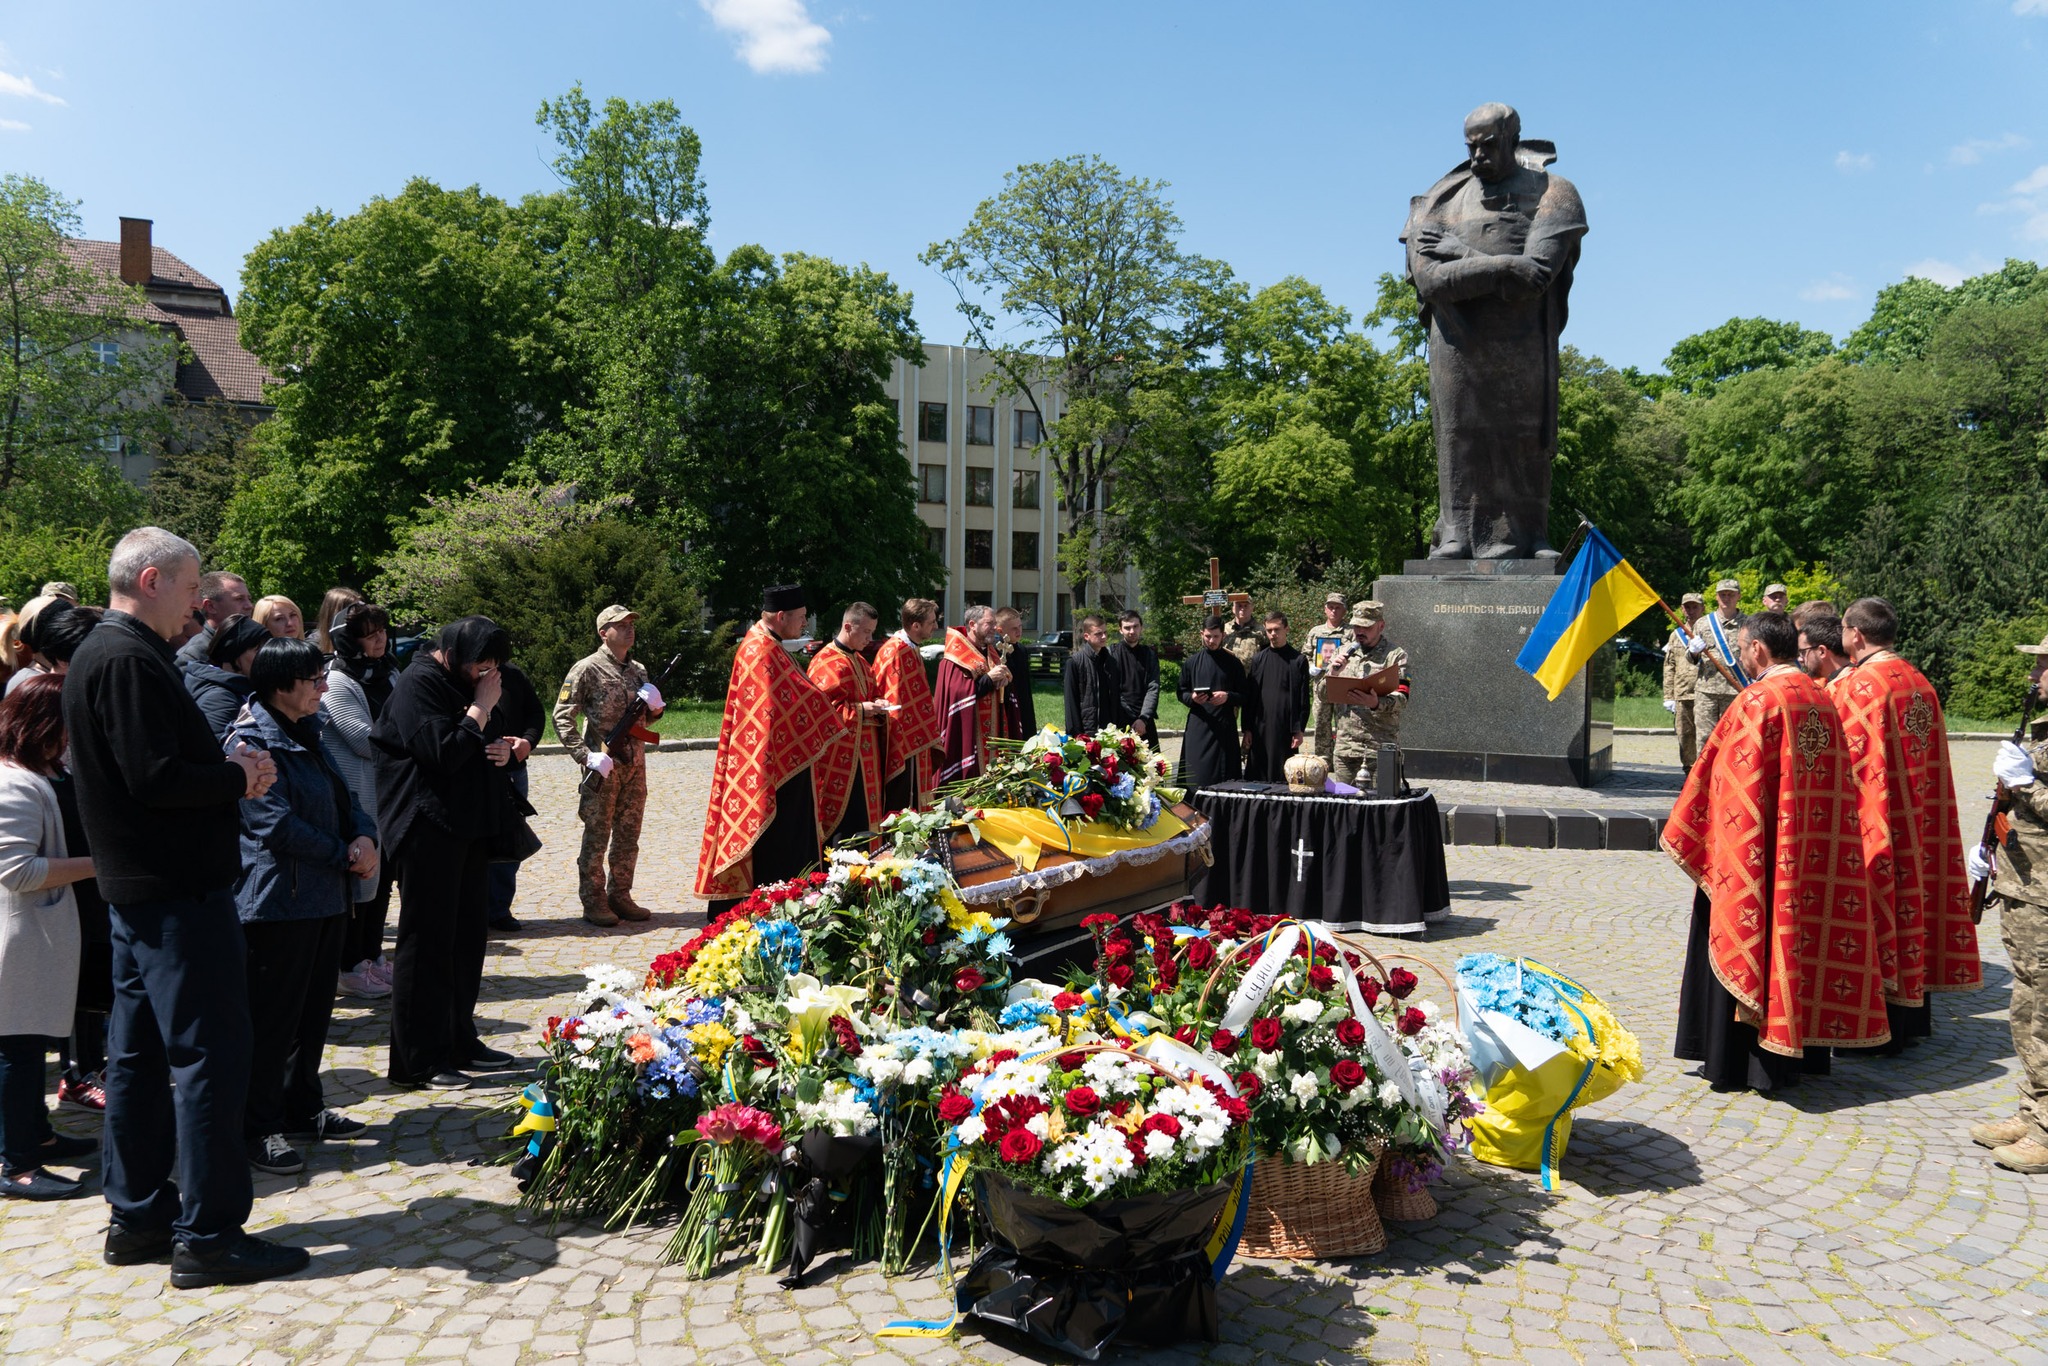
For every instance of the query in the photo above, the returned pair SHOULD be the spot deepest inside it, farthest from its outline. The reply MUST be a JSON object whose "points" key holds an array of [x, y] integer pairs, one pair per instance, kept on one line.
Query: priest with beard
{"points": [[761, 826], [968, 694], [1781, 964], [913, 727], [1912, 835], [1213, 686], [1276, 711], [847, 776]]}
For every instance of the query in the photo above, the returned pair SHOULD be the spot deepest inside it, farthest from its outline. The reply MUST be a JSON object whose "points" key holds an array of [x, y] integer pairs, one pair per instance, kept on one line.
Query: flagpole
{"points": [[1676, 619]]}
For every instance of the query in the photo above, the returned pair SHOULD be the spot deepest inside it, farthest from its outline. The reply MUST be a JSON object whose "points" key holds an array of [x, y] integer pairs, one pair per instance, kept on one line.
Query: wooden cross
{"points": [[1215, 598]]}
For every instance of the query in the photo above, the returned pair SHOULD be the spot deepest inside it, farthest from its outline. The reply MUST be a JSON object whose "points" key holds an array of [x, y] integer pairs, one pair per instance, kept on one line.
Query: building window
{"points": [[1027, 608], [981, 487], [981, 426], [106, 354], [112, 443], [1063, 612], [1024, 550], [981, 553], [979, 597], [1027, 430], [931, 483], [935, 541], [931, 422], [1024, 488]]}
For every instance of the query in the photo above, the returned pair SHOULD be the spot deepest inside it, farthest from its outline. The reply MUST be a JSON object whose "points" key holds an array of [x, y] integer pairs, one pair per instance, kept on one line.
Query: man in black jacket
{"points": [[1137, 667], [1094, 688], [159, 802], [517, 720]]}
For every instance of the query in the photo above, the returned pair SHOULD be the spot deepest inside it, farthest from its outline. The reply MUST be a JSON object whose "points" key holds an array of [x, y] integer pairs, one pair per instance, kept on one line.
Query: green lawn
{"points": [[1649, 711]]}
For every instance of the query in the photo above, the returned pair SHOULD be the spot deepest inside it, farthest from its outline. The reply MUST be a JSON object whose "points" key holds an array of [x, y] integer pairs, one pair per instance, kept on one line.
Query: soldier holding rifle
{"points": [[603, 686]]}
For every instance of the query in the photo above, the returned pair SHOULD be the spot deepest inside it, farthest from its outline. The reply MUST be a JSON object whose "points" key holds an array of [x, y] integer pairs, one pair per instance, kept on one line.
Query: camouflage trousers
{"points": [[1706, 713], [1686, 723], [2024, 927], [611, 813]]}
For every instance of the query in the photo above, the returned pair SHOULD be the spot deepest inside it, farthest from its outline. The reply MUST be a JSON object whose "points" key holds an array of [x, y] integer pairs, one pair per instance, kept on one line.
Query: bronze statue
{"points": [[1491, 249]]}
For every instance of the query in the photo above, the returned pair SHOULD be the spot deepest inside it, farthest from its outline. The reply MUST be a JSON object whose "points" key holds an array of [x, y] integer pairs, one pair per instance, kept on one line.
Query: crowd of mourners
{"points": [[204, 806]]}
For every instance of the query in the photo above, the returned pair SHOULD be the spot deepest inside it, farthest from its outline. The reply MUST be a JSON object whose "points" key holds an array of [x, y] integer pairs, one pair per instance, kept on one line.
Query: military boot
{"points": [[625, 908], [2029, 1157], [597, 913], [1999, 1132]]}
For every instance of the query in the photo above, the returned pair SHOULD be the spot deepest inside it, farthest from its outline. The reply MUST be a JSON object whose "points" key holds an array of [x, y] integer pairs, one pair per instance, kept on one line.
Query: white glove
{"points": [[2014, 766], [651, 695], [1696, 645], [1975, 864], [1671, 706], [600, 764]]}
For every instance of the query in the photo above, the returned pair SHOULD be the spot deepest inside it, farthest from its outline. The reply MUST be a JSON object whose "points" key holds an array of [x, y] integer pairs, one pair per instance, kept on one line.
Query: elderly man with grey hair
{"points": [[160, 803]]}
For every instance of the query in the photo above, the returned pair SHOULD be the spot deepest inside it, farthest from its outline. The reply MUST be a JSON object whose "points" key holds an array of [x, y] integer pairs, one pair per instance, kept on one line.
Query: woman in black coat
{"points": [[441, 795], [221, 685]]}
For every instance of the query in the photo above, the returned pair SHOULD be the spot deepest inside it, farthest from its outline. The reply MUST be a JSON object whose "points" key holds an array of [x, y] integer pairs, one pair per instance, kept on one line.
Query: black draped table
{"points": [[1354, 863]]}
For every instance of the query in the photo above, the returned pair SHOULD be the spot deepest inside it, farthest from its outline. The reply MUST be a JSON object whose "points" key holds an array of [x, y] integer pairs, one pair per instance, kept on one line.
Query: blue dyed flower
{"points": [[1024, 1014], [1124, 787], [998, 945]]}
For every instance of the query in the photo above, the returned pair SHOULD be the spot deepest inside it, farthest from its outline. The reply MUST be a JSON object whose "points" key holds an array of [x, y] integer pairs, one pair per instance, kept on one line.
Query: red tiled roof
{"points": [[219, 368], [164, 268]]}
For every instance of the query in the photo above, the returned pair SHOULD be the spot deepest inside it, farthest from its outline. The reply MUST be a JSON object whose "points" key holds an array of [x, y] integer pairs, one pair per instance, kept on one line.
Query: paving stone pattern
{"points": [[1852, 1219]]}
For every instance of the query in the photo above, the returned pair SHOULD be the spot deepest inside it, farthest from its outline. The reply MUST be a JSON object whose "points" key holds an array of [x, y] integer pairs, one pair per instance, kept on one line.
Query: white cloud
{"points": [[1971, 152], [2038, 7], [1834, 289], [2036, 182], [1947, 274], [772, 35], [25, 88], [1849, 163], [12, 126], [2029, 199]]}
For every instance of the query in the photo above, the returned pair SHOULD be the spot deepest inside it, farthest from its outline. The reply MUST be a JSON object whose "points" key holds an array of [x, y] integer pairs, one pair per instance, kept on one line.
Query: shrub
{"points": [[548, 595], [1990, 676], [32, 554]]}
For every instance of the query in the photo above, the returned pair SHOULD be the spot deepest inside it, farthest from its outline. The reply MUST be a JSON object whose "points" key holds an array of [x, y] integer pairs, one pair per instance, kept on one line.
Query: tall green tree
{"points": [[1700, 363], [1073, 277], [81, 368], [418, 341]]}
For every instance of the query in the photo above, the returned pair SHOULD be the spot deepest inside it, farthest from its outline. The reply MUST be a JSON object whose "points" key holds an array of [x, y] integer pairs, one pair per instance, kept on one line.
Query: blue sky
{"points": [[1784, 159]]}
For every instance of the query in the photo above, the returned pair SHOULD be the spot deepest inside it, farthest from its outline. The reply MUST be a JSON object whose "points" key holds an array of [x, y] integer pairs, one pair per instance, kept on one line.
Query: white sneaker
{"points": [[360, 983], [379, 970]]}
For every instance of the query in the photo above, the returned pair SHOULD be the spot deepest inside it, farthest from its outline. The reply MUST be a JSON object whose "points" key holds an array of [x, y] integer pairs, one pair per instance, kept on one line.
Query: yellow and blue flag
{"points": [[1600, 594]]}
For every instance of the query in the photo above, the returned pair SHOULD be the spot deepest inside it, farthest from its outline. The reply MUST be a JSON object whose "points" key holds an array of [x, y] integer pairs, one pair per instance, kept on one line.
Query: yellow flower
{"points": [[710, 1041]]}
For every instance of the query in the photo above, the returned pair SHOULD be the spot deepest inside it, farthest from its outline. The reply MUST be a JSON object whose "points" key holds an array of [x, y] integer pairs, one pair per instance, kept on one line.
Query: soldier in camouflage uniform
{"points": [[1242, 636], [2020, 885], [1323, 641], [1361, 730], [614, 799]]}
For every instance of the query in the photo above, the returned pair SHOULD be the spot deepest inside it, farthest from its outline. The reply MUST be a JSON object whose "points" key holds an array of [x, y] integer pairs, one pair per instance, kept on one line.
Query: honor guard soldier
{"points": [[1361, 728], [601, 686]]}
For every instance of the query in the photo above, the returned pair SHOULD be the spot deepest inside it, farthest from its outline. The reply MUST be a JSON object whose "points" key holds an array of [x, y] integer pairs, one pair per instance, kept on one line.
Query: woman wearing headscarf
{"points": [[221, 685], [441, 795], [358, 685]]}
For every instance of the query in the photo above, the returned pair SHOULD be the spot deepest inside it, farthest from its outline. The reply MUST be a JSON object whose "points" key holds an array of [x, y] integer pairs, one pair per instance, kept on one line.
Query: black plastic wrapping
{"points": [[823, 1161], [1134, 1271]]}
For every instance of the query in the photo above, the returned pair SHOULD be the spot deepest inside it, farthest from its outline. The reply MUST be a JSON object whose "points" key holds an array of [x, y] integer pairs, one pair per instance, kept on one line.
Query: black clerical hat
{"points": [[783, 597]]}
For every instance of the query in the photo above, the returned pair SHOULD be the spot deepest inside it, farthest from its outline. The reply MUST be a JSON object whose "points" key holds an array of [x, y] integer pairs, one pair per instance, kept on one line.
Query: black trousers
{"points": [[1728, 1051], [438, 966], [24, 1116], [293, 965], [178, 1047], [362, 937], [790, 843]]}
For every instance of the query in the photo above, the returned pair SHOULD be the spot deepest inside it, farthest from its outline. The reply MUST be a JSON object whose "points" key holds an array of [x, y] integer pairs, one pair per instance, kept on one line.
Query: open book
{"points": [[1350, 692]]}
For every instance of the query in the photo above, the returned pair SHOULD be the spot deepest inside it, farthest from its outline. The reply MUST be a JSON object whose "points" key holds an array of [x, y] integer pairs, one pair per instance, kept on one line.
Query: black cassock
{"points": [[1276, 710], [1209, 751]]}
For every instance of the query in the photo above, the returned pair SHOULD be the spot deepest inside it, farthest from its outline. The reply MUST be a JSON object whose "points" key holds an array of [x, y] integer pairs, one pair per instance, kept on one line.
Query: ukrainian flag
{"points": [[1601, 593]]}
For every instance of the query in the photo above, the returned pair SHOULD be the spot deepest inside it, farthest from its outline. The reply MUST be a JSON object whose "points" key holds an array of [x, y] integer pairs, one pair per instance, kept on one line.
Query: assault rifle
{"points": [[628, 726], [1998, 825]]}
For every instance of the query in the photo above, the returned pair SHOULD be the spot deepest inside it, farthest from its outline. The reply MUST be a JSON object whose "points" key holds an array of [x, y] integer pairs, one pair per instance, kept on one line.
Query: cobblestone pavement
{"points": [[1851, 1219]]}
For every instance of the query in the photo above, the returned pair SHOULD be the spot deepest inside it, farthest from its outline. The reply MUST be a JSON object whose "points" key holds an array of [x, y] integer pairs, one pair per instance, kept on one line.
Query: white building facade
{"points": [[988, 495]]}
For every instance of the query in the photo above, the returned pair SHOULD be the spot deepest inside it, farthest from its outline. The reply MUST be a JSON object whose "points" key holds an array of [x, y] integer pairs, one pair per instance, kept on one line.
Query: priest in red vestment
{"points": [[762, 823], [1912, 836], [913, 728], [1782, 962], [970, 678], [848, 775]]}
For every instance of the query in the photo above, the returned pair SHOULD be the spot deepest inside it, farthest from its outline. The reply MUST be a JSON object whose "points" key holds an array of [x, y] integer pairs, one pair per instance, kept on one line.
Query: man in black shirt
{"points": [[1137, 667], [1094, 688], [160, 807]]}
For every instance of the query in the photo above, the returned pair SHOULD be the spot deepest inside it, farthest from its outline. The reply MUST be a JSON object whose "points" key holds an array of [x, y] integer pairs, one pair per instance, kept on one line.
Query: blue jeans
{"points": [[24, 1118], [505, 876], [181, 1015]]}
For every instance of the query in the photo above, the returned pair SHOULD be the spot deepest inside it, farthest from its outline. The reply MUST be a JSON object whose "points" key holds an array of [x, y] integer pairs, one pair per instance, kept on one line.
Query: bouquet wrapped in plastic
{"points": [[1543, 1046]]}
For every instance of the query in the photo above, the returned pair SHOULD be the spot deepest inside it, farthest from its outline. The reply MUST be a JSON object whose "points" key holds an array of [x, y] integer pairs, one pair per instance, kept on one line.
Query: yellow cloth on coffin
{"points": [[1023, 833]]}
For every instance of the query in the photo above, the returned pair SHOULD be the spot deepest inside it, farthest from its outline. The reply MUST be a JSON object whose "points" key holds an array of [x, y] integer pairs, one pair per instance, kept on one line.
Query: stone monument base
{"points": [[1472, 714]]}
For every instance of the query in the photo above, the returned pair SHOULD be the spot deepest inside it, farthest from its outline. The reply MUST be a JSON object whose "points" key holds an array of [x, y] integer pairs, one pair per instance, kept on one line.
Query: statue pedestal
{"points": [[1472, 715]]}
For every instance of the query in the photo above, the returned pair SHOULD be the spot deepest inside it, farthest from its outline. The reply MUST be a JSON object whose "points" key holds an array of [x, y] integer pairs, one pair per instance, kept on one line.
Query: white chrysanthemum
{"points": [[1390, 1094], [1305, 1011], [1266, 1065], [1303, 1087], [972, 1130], [917, 1072], [1040, 1124], [1158, 1145], [609, 979]]}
